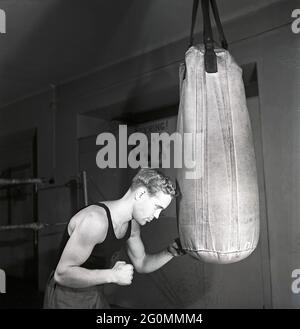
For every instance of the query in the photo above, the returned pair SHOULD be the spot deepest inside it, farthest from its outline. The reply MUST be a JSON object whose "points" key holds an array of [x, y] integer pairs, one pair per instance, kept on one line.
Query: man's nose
{"points": [[157, 213]]}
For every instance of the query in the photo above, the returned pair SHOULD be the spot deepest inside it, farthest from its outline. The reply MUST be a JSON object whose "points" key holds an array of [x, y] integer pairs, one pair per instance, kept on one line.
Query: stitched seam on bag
{"points": [[205, 164], [234, 209], [219, 252]]}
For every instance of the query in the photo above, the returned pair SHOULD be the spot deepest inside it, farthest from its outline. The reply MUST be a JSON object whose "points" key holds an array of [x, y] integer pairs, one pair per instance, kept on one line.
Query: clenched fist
{"points": [[122, 273]]}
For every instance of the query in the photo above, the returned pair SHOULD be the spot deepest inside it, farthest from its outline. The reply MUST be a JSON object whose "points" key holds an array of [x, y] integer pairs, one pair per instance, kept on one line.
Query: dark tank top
{"points": [[102, 253]]}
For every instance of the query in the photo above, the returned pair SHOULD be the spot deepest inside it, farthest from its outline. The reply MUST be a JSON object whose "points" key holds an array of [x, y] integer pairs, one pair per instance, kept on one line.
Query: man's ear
{"points": [[140, 193]]}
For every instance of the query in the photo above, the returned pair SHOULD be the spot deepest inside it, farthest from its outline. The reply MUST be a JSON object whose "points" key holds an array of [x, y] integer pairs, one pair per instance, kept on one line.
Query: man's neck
{"points": [[121, 211]]}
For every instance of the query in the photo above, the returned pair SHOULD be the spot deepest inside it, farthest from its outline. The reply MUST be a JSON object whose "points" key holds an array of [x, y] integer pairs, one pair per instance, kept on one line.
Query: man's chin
{"points": [[142, 221]]}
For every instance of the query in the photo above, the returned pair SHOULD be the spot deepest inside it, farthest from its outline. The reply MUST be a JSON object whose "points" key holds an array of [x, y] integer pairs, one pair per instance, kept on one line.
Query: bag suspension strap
{"points": [[222, 37], [210, 58], [194, 15]]}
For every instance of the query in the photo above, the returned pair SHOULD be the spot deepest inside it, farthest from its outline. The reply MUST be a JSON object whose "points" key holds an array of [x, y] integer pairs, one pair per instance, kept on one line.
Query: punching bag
{"points": [[218, 206]]}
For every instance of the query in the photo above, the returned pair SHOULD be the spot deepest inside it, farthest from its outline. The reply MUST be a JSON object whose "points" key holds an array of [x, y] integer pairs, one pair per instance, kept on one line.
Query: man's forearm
{"points": [[153, 262], [79, 277]]}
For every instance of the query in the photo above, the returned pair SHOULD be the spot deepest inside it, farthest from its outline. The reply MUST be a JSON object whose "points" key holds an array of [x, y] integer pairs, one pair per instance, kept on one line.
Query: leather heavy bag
{"points": [[218, 208]]}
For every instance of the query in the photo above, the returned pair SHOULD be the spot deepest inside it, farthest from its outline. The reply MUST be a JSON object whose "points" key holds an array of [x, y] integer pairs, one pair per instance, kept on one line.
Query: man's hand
{"points": [[175, 248], [122, 273]]}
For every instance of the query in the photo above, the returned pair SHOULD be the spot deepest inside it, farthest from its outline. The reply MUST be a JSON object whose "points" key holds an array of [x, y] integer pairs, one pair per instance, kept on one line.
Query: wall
{"points": [[17, 207], [277, 55], [151, 81]]}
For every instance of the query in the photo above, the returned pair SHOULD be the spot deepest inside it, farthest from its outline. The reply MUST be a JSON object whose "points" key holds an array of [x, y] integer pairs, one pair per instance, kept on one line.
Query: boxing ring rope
{"points": [[15, 181], [35, 226]]}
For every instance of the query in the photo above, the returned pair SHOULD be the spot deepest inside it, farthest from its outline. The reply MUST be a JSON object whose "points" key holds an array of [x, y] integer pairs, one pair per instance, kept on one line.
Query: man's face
{"points": [[148, 207]]}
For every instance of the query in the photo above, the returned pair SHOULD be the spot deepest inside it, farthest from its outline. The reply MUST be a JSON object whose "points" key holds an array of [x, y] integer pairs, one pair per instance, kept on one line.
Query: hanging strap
{"points": [[219, 24], [210, 56], [194, 15]]}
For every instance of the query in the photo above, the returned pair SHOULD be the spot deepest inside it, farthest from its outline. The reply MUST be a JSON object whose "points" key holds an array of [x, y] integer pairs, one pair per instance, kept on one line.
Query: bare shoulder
{"points": [[92, 223]]}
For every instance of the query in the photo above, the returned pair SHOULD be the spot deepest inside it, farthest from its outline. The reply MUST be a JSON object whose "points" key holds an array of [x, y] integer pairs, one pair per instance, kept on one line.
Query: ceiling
{"points": [[55, 41]]}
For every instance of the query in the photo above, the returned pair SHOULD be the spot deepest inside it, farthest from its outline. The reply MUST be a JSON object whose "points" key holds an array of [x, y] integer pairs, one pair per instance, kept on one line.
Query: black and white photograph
{"points": [[149, 156]]}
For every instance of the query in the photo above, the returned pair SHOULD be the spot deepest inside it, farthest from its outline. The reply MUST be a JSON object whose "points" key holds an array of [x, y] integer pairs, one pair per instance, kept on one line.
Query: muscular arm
{"points": [[90, 231], [144, 263]]}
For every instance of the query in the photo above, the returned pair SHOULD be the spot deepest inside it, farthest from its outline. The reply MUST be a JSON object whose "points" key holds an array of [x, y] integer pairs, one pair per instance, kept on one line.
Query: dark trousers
{"points": [[57, 296]]}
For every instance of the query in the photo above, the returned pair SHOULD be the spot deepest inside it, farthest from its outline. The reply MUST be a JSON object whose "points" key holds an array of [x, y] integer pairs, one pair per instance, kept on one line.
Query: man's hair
{"points": [[154, 181]]}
